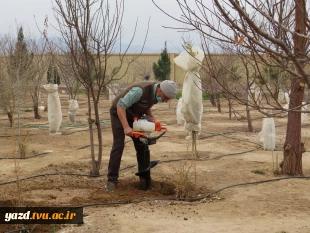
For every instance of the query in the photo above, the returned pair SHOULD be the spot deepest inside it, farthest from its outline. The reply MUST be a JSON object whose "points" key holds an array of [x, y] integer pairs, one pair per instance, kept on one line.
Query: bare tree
{"points": [[7, 85], [15, 70], [67, 75], [91, 30], [41, 60], [15, 66], [221, 70], [268, 33], [141, 70], [229, 72]]}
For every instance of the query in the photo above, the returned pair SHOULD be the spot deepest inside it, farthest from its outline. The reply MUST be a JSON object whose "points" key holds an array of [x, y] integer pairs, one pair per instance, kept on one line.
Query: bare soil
{"points": [[232, 186]]}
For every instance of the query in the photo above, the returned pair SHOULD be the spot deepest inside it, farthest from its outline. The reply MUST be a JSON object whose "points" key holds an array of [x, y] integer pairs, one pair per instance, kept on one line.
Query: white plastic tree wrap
{"points": [[190, 135], [181, 120], [251, 93], [190, 61], [258, 96], [180, 117], [281, 97], [73, 107], [268, 134], [287, 99], [304, 115], [54, 108]]}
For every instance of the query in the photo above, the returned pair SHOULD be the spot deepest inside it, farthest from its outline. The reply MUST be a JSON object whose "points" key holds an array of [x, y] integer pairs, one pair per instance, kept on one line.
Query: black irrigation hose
{"points": [[83, 147], [49, 174], [243, 184], [76, 131], [102, 127], [215, 158], [193, 199], [28, 157], [125, 168], [19, 230], [223, 134], [63, 174], [166, 199], [238, 153], [9, 136], [305, 125], [219, 134]]}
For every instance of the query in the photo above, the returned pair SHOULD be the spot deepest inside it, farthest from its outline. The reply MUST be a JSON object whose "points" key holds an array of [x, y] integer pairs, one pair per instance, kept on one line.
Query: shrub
{"points": [[259, 172], [179, 95], [205, 96]]}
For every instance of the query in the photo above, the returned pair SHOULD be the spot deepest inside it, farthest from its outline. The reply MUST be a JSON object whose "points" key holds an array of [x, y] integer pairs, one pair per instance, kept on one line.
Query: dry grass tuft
{"points": [[184, 185]]}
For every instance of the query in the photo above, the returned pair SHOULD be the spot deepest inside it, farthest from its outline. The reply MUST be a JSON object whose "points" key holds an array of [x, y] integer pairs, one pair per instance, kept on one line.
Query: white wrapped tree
{"points": [[190, 60], [180, 117], [268, 134], [54, 108], [73, 107]]}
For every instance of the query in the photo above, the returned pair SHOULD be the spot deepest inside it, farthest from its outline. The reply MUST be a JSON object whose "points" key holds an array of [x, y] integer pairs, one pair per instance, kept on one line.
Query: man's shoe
{"points": [[110, 186]]}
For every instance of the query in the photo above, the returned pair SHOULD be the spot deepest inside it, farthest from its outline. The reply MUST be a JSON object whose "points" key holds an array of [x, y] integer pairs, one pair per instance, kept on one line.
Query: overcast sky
{"points": [[24, 12]]}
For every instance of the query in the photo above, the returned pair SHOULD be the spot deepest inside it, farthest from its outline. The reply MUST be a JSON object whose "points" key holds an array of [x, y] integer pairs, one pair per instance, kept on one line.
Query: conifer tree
{"points": [[52, 75], [18, 61], [162, 69], [21, 59]]}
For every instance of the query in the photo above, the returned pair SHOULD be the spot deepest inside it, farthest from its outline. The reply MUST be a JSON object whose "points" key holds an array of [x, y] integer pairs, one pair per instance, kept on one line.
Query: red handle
{"points": [[158, 126], [163, 128], [138, 134]]}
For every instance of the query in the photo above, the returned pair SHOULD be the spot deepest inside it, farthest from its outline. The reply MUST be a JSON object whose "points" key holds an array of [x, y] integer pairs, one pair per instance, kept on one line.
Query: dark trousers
{"points": [[118, 148]]}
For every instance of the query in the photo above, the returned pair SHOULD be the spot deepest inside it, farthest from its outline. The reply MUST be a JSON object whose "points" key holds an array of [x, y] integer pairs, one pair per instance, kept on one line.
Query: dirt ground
{"points": [[233, 187]]}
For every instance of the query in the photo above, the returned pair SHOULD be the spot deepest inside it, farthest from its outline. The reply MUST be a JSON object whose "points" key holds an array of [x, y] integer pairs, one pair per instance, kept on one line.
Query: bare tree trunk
{"points": [[97, 122], [247, 108], [248, 116], [218, 102], [293, 147], [229, 107], [10, 116], [36, 112], [35, 96], [94, 170], [212, 99]]}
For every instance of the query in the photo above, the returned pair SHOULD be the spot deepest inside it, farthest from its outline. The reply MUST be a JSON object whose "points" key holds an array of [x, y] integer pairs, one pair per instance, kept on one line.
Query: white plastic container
{"points": [[143, 125]]}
